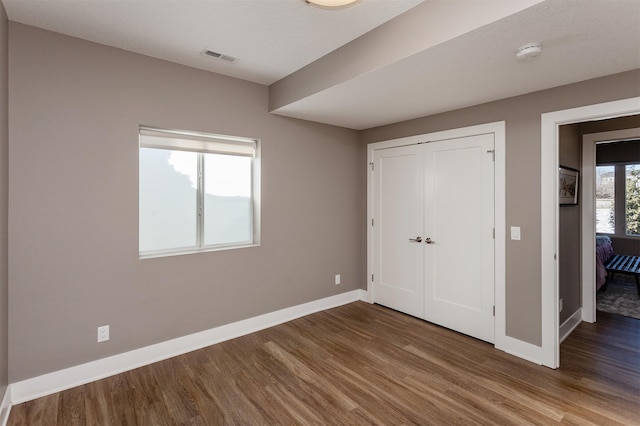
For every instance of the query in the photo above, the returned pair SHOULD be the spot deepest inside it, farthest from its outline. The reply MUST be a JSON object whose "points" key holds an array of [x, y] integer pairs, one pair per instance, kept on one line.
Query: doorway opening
{"points": [[550, 210], [615, 158]]}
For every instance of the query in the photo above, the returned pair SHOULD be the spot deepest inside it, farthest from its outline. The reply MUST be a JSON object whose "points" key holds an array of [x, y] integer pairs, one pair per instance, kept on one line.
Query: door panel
{"points": [[459, 281], [398, 213]]}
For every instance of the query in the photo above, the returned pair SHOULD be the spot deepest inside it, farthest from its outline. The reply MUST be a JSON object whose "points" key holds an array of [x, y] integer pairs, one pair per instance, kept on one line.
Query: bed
{"points": [[604, 252]]}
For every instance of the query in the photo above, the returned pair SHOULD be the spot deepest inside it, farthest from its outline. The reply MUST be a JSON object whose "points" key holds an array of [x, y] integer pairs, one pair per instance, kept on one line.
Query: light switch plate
{"points": [[515, 233]]}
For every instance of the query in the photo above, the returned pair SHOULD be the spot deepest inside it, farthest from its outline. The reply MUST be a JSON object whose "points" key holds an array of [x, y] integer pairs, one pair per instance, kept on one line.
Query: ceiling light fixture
{"points": [[331, 4]]}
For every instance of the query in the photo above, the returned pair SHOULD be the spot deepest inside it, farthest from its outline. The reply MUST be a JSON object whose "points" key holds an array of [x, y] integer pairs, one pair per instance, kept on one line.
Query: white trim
{"points": [[498, 129], [369, 276], [570, 324], [57, 381], [550, 123], [500, 259], [588, 214], [524, 350], [588, 249], [5, 407]]}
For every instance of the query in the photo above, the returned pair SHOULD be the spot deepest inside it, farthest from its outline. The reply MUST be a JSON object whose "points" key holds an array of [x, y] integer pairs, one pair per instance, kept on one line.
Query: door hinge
{"points": [[493, 154], [371, 277], [371, 222], [372, 166], [494, 310]]}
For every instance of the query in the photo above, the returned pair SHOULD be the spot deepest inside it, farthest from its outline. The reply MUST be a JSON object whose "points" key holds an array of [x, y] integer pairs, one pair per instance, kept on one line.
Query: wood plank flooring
{"points": [[365, 364]]}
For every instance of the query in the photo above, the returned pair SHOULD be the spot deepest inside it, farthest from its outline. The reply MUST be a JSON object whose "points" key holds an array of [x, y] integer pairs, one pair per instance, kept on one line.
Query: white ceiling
{"points": [[581, 39], [270, 38]]}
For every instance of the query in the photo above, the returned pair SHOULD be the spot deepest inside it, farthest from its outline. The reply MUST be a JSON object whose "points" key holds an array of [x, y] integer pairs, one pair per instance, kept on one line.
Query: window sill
{"points": [[172, 253]]}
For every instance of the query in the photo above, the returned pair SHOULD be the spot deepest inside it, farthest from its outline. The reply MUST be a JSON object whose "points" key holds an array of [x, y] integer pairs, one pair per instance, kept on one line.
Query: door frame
{"points": [[498, 130], [550, 123]]}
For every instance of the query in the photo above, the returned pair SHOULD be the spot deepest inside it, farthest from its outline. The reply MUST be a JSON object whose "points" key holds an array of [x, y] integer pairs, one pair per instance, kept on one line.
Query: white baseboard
{"points": [[5, 408], [523, 350], [57, 381], [570, 324]]}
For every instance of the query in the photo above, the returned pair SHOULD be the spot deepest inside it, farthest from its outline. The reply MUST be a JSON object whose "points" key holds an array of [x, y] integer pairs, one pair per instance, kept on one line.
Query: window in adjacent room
{"points": [[618, 186], [198, 192]]}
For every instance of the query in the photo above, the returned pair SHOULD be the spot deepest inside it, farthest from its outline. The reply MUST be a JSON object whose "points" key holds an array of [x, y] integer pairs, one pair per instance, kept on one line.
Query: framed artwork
{"points": [[568, 186]]}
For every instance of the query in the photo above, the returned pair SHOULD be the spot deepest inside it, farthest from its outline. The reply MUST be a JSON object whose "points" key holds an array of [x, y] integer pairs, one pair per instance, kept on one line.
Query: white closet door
{"points": [[459, 248], [399, 217]]}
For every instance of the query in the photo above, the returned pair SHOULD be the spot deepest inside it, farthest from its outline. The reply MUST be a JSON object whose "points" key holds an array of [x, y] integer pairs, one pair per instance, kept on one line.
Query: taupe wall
{"points": [[4, 195], [522, 116], [75, 108], [569, 258]]}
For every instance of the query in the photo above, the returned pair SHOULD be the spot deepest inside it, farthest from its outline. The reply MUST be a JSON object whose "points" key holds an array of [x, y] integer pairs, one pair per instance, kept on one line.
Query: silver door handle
{"points": [[416, 240], [429, 241]]}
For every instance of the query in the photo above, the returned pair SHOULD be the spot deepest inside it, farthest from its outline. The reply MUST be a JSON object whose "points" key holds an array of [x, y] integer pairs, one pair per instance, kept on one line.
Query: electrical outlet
{"points": [[103, 333], [337, 281]]}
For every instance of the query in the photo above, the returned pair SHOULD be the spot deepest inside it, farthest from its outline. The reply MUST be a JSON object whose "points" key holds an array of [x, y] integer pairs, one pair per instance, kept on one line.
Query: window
{"points": [[198, 192], [618, 185]]}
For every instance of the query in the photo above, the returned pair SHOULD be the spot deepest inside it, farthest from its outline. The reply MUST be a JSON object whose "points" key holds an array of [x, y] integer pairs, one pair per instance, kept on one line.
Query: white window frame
{"points": [[206, 143]]}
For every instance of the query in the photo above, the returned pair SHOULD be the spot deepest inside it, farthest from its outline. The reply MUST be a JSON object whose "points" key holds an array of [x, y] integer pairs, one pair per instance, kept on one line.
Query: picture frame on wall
{"points": [[568, 186]]}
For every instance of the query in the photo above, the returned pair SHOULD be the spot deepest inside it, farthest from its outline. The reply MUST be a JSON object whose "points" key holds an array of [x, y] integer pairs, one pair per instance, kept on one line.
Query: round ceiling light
{"points": [[528, 51], [331, 4]]}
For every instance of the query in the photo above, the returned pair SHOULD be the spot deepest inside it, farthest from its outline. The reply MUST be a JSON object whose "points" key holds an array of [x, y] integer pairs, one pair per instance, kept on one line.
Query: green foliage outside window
{"points": [[633, 200]]}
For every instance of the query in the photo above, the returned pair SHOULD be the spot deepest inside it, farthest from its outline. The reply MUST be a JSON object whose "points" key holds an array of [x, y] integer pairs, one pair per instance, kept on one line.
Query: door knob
{"points": [[416, 240], [429, 241]]}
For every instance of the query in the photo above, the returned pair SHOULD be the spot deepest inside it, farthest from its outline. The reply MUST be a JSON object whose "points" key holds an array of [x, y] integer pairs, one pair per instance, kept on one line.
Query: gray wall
{"points": [[522, 116], [75, 108], [569, 259], [4, 195]]}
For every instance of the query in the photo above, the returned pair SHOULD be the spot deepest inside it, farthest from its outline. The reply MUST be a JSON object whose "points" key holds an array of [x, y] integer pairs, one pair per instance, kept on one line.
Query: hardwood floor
{"points": [[365, 364]]}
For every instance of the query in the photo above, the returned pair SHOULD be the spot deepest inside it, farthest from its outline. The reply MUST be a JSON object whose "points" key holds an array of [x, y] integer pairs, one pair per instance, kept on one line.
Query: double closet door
{"points": [[433, 232]]}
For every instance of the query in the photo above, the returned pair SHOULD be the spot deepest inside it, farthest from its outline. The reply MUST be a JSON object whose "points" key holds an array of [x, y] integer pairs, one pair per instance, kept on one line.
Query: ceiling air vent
{"points": [[218, 55]]}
